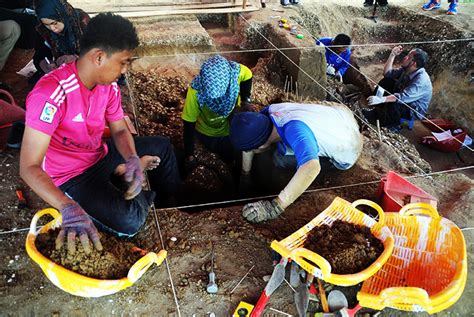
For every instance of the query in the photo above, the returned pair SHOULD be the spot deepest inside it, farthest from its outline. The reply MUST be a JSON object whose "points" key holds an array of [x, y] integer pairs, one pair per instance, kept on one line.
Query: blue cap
{"points": [[249, 130]]}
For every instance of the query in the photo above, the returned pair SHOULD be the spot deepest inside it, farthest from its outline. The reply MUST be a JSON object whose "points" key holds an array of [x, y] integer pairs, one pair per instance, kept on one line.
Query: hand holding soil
{"points": [[112, 262]]}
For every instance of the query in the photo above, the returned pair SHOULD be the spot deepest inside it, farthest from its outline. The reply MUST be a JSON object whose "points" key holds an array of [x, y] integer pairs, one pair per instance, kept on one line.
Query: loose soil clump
{"points": [[347, 247], [113, 262]]}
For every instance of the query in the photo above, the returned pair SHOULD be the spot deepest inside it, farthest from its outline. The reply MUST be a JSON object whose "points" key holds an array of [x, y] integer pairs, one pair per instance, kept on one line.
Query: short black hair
{"points": [[109, 32], [420, 57], [342, 39]]}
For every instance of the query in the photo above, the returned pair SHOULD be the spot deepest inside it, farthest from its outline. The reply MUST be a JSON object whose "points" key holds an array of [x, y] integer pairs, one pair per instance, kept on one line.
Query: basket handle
{"points": [[142, 265], [321, 262], [419, 208], [376, 206], [12, 101], [48, 211], [394, 296]]}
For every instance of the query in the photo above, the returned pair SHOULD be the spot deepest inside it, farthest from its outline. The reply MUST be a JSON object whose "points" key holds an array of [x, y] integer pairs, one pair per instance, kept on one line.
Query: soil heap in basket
{"points": [[347, 247], [113, 262]]}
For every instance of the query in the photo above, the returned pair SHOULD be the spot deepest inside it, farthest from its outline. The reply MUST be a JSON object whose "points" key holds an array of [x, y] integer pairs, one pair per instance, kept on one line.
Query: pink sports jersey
{"points": [[74, 116]]}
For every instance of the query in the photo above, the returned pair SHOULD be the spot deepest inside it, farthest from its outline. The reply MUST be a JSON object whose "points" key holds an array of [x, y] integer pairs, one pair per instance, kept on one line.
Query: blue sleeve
{"points": [[301, 139], [265, 111], [324, 40], [343, 66]]}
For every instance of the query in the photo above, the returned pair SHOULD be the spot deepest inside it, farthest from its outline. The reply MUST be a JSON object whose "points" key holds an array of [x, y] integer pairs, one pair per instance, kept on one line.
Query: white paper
{"points": [[380, 91], [446, 135], [28, 70]]}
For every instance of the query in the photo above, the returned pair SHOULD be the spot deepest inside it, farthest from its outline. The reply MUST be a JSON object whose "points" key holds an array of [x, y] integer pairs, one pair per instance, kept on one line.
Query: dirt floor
{"points": [[241, 247]]}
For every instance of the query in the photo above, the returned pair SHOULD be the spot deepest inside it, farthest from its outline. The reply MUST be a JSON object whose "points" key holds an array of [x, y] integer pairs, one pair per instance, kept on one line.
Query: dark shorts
{"points": [[219, 145], [390, 113], [102, 195]]}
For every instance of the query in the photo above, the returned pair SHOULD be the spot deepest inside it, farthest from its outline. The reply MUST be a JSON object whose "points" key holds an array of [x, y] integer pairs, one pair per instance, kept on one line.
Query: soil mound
{"points": [[113, 262], [347, 247]]}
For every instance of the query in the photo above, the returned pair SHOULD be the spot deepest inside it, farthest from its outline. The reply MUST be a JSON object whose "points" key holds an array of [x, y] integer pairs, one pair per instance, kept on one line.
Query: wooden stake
{"points": [[297, 94], [291, 84], [286, 79], [378, 129]]}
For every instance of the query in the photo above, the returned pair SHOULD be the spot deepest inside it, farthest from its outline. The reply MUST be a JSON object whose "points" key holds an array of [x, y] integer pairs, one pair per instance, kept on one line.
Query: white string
{"points": [[157, 223], [324, 88], [390, 94], [271, 196], [307, 47]]}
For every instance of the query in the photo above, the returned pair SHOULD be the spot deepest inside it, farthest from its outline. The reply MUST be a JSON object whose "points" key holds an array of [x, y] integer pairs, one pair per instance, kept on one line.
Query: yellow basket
{"points": [[340, 209], [77, 284], [428, 268]]}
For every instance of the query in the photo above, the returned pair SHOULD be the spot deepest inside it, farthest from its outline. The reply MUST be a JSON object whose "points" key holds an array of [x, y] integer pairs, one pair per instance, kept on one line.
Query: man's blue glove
{"points": [[77, 221], [262, 210], [134, 176]]}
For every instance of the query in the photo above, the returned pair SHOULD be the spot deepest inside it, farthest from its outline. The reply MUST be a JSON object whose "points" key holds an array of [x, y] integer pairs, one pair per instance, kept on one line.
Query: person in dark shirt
{"points": [[61, 28]]}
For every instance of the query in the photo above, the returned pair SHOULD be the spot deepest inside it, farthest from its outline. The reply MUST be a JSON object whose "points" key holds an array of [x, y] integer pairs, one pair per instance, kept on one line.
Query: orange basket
{"points": [[428, 268], [340, 209], [77, 284]]}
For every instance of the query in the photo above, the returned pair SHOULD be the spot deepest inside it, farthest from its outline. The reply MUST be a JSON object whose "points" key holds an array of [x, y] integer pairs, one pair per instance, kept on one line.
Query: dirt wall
{"points": [[310, 62]]}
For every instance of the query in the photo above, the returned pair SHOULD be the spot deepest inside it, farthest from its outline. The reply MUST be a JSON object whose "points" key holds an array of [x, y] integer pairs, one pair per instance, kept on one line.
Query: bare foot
{"points": [[147, 163]]}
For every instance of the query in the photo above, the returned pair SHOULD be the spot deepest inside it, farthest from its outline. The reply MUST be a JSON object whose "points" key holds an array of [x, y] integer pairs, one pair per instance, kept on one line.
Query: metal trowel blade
{"points": [[302, 299]]}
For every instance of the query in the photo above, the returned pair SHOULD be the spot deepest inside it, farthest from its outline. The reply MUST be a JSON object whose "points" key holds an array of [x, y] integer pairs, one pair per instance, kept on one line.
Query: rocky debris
{"points": [[159, 102]]}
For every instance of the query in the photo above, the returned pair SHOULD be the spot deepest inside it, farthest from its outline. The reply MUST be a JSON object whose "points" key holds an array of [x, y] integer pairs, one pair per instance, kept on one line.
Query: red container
{"points": [[394, 192], [9, 113], [452, 144], [438, 125]]}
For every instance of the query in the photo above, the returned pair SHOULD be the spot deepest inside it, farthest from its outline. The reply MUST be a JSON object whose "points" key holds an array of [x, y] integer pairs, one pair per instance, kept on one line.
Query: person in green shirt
{"points": [[220, 87]]}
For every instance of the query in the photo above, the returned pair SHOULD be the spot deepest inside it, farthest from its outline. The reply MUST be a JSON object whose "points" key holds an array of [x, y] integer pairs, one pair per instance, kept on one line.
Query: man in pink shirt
{"points": [[63, 158]]}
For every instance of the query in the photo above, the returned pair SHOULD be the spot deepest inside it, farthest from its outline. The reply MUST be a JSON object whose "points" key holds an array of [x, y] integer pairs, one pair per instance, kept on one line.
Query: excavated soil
{"points": [[348, 248], [113, 262]]}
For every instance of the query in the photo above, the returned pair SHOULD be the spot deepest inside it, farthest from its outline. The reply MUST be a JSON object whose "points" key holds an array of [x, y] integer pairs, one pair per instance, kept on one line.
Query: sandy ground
{"points": [[239, 245]]}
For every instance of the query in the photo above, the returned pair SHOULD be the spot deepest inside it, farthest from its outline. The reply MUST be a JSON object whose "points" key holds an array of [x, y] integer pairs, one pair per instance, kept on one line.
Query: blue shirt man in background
{"points": [[410, 90], [338, 54]]}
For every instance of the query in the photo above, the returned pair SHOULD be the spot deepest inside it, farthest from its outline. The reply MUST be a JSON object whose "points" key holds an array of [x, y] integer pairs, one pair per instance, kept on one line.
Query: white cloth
{"points": [[333, 126]]}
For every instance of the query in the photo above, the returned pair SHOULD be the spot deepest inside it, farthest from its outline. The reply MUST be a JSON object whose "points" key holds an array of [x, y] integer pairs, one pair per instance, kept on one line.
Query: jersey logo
{"points": [[48, 113], [78, 118]]}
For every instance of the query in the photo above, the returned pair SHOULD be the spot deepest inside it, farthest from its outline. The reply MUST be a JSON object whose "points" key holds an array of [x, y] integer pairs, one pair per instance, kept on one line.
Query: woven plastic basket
{"points": [[428, 268], [340, 209], [77, 284]]}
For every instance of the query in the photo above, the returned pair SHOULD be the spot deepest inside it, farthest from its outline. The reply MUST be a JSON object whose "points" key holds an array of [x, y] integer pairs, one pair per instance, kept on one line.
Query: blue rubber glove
{"points": [[134, 176], [77, 221]]}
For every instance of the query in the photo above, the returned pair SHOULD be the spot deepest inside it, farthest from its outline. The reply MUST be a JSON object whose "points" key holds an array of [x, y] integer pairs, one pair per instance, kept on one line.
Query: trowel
{"points": [[275, 281]]}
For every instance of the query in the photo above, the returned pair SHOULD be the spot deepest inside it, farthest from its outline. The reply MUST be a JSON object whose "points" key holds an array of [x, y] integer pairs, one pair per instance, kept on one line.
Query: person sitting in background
{"points": [[408, 85], [9, 33], [304, 134], [338, 54], [436, 4], [61, 28], [220, 87]]}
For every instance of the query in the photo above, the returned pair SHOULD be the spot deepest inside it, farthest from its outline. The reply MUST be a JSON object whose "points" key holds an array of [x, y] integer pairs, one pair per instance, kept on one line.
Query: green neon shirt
{"points": [[208, 122]]}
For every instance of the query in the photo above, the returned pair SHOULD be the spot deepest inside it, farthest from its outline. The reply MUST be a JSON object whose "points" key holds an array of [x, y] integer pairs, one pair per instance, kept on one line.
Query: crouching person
{"points": [[304, 133], [63, 157]]}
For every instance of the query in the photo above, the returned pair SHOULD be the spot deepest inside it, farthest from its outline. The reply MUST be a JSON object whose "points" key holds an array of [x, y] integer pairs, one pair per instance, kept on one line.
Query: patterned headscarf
{"points": [[59, 10], [217, 85]]}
